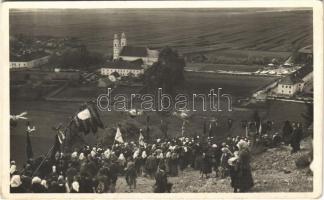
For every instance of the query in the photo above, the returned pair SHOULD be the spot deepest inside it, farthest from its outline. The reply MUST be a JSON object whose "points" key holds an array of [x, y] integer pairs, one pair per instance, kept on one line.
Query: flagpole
{"points": [[112, 148], [43, 160]]}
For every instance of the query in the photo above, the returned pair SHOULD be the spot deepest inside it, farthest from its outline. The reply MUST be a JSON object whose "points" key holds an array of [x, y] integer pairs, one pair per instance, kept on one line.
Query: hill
{"points": [[273, 171]]}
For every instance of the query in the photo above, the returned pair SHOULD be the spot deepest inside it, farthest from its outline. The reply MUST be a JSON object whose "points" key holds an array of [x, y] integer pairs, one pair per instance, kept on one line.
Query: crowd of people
{"points": [[97, 169]]}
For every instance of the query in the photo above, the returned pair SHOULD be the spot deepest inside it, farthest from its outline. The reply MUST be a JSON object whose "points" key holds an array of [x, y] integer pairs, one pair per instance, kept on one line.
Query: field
{"points": [[236, 86], [214, 32]]}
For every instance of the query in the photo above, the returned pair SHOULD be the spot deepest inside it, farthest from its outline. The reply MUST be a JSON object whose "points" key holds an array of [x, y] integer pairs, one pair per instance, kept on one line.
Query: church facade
{"points": [[121, 50], [129, 59]]}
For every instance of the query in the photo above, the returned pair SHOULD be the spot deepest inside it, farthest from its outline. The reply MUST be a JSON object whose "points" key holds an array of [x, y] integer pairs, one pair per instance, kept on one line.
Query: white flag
{"points": [[118, 136], [260, 127], [84, 114], [141, 140], [61, 136]]}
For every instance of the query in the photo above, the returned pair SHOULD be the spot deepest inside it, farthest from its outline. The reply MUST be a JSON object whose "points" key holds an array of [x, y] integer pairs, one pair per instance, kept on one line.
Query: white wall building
{"points": [[29, 63], [123, 68]]}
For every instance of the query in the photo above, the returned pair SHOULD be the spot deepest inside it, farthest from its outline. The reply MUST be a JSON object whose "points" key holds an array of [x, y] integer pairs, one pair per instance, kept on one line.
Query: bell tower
{"points": [[116, 47], [123, 40]]}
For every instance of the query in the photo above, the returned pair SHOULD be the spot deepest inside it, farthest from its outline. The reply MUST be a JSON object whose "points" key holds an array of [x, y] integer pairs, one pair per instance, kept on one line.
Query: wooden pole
{"points": [[48, 152]]}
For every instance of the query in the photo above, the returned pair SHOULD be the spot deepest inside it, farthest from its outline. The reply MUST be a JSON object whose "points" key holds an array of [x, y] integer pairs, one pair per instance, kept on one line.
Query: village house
{"points": [[129, 59], [294, 83]]}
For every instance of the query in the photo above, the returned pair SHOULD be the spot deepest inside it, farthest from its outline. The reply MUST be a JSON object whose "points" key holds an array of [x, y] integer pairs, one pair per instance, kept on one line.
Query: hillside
{"points": [[273, 171]]}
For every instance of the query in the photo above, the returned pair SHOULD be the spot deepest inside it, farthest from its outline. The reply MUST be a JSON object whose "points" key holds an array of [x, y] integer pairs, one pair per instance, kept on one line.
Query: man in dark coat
{"points": [[161, 181], [296, 138], [287, 132], [130, 174], [206, 167]]}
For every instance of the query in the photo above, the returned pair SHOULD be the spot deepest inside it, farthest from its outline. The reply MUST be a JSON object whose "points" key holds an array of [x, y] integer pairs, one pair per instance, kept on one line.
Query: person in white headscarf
{"points": [[232, 163], [75, 187], [122, 160], [244, 175], [13, 170], [16, 185], [37, 187]]}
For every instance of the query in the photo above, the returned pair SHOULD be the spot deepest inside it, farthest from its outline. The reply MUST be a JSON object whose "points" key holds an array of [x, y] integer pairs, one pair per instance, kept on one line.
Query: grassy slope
{"points": [[268, 173]]}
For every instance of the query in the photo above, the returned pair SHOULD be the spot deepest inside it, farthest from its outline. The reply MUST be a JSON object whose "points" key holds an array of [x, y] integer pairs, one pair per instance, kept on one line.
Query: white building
{"points": [[25, 63], [294, 83], [123, 68], [121, 50], [289, 86]]}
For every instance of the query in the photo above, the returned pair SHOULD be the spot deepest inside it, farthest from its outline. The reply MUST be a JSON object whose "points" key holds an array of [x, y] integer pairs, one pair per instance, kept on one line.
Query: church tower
{"points": [[123, 41], [116, 47]]}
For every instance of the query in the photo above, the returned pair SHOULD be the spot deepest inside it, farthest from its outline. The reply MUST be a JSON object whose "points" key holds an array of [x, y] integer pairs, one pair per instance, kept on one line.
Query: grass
{"points": [[236, 86]]}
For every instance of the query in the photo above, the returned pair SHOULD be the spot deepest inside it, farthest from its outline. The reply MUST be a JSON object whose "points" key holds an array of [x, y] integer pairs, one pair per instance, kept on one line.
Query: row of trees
{"points": [[78, 58]]}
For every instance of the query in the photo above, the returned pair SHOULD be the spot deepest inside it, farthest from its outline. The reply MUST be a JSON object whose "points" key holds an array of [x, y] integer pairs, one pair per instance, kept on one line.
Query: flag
{"points": [[61, 136], [118, 136], [29, 149], [88, 119], [260, 128], [141, 139], [56, 146]]}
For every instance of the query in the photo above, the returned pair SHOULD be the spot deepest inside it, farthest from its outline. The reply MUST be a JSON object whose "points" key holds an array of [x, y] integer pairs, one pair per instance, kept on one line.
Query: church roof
{"points": [[122, 64], [133, 51], [290, 80]]}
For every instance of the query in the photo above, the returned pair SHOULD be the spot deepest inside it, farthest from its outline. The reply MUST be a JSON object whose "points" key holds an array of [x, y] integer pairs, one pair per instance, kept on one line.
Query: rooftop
{"points": [[308, 49], [133, 51], [122, 64], [27, 57], [297, 76]]}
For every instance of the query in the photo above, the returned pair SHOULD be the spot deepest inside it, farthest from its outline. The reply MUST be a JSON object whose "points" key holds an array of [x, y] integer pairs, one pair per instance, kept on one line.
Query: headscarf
{"points": [[93, 153], [75, 186], [15, 181], [13, 168], [144, 155], [44, 183], [81, 156], [74, 154], [232, 160], [107, 154], [136, 153], [36, 179], [242, 144]]}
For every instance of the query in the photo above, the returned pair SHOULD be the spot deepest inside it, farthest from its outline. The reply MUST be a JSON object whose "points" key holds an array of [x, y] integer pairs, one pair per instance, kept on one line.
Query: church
{"points": [[129, 59]]}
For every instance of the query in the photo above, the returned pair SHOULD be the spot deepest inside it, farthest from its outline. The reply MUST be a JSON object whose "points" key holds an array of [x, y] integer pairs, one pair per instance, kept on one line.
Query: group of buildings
{"points": [[29, 61], [127, 60]]}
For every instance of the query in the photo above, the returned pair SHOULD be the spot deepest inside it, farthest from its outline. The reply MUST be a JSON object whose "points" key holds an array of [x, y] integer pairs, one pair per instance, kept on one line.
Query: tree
{"points": [[167, 73], [308, 115], [77, 58]]}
